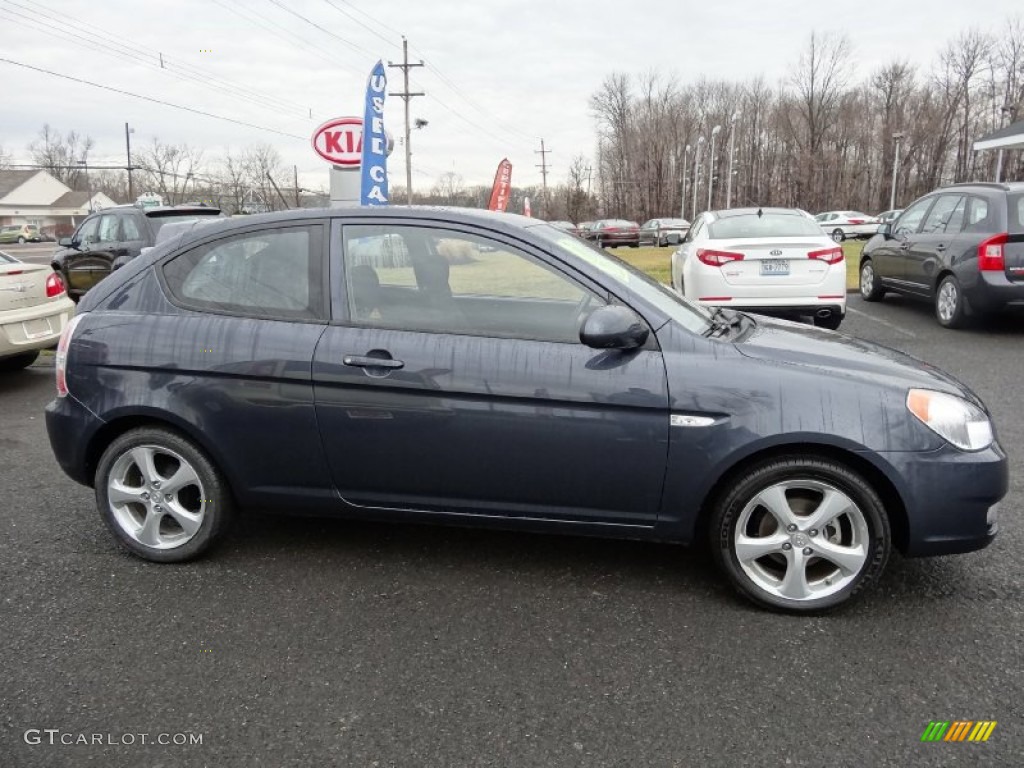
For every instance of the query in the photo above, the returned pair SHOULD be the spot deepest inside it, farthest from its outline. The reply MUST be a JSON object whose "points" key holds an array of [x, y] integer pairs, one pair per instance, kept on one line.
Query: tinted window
{"points": [[910, 220], [156, 222], [940, 214], [268, 273], [767, 225], [1016, 206], [110, 229], [130, 229], [436, 280], [87, 233], [978, 216]]}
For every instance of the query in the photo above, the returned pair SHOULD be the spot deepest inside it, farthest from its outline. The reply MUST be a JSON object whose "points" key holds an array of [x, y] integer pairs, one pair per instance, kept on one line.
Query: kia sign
{"points": [[340, 141]]}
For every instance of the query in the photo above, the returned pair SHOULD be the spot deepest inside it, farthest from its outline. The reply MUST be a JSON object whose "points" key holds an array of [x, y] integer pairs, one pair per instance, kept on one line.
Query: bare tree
{"points": [[169, 169], [61, 155], [5, 159], [450, 189]]}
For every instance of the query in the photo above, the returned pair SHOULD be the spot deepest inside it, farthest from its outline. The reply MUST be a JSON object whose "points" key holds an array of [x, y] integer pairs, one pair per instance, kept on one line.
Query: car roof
{"points": [[509, 223], [1003, 186]]}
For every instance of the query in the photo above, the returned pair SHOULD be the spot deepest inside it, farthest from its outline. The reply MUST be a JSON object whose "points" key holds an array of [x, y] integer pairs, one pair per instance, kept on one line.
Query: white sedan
{"points": [[845, 225], [770, 260], [34, 308]]}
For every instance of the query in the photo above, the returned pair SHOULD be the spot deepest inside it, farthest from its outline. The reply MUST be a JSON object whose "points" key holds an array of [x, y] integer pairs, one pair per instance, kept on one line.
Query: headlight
{"points": [[954, 419]]}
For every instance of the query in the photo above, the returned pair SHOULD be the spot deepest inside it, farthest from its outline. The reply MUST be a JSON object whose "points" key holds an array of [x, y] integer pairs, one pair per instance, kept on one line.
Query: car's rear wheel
{"points": [[870, 286], [951, 308], [18, 362], [160, 495], [21, 240], [838, 235], [800, 534]]}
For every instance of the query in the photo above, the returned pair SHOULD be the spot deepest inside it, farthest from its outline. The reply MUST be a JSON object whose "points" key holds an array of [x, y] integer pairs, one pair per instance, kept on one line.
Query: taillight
{"points": [[856, 221], [717, 258], [54, 285], [61, 358], [990, 254], [828, 255]]}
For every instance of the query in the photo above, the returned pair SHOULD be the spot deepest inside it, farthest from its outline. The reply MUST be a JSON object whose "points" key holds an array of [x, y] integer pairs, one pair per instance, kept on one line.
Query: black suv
{"points": [[961, 247], [110, 238]]}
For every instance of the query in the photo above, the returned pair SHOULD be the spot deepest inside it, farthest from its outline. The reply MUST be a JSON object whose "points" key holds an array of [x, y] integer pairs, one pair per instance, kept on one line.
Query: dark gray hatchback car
{"points": [[486, 369], [961, 247]]}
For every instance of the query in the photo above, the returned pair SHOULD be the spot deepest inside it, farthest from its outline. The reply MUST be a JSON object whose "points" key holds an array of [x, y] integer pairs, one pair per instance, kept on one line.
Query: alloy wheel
{"points": [[947, 300], [801, 540], [867, 278], [156, 497]]}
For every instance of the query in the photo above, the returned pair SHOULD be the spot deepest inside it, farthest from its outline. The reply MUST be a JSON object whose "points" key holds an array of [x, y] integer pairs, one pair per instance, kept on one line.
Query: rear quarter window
{"points": [[1016, 210]]}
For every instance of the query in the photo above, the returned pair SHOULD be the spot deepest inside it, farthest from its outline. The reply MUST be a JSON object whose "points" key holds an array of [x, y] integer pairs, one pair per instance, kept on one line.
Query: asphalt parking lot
{"points": [[308, 642]]}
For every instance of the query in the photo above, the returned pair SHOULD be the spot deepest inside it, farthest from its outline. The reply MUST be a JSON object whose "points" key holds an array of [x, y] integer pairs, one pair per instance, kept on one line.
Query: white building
{"points": [[36, 197]]}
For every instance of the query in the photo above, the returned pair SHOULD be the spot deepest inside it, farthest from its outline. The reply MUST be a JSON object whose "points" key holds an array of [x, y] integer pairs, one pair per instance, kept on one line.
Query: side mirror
{"points": [[64, 242], [614, 327], [885, 229]]}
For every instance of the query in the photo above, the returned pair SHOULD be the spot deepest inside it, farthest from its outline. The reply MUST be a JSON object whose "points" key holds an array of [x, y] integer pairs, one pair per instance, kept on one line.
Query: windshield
{"points": [[157, 222], [767, 225], [5, 259], [693, 317]]}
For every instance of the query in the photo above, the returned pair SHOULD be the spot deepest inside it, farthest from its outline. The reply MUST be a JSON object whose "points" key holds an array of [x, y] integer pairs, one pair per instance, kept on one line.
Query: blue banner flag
{"points": [[374, 187]]}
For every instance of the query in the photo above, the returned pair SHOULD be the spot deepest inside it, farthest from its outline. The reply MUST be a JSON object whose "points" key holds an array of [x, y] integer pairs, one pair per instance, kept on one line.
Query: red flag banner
{"points": [[502, 187]]}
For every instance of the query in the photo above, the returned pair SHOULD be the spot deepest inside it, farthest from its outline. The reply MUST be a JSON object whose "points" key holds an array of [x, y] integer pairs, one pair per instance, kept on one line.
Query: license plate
{"points": [[775, 267], [36, 328]]}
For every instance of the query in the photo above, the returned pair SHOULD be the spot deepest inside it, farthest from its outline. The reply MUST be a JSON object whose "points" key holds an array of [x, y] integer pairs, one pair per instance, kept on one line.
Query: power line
{"points": [[151, 99], [322, 29], [365, 26], [71, 28]]}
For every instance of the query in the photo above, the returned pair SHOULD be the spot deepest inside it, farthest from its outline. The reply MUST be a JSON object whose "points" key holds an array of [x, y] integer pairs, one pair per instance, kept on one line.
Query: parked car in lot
{"points": [[269, 363], [612, 233], [20, 233], [660, 232], [847, 225], [887, 217], [769, 260], [960, 247], [34, 309], [109, 239]]}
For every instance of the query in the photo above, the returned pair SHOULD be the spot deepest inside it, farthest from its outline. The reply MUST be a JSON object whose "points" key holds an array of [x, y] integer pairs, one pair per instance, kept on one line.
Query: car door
{"points": [[890, 256], [928, 248], [97, 242], [452, 379]]}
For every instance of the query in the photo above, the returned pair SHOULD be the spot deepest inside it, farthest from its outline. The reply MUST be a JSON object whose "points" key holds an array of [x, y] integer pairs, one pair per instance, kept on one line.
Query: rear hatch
{"points": [[1013, 250], [781, 261], [22, 285]]}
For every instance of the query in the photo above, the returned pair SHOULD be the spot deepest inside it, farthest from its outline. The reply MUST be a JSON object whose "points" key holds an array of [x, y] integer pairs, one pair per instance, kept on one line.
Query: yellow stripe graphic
{"points": [[981, 726], [988, 731]]}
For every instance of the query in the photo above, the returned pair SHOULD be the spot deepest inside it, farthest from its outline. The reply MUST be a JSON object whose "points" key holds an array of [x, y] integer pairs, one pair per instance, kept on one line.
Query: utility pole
{"points": [[898, 138], [543, 165], [711, 171], [682, 192], [295, 170], [128, 146], [732, 155], [406, 95], [696, 176]]}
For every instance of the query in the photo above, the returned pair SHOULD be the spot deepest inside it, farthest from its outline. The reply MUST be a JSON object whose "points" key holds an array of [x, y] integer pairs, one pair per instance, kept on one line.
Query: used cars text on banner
{"points": [[374, 187]]}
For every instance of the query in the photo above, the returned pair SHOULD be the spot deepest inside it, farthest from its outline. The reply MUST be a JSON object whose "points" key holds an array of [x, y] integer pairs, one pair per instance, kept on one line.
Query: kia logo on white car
{"points": [[776, 252]]}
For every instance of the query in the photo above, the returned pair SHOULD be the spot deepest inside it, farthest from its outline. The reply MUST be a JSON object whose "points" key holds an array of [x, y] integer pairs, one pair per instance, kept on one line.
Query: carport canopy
{"points": [[1010, 137]]}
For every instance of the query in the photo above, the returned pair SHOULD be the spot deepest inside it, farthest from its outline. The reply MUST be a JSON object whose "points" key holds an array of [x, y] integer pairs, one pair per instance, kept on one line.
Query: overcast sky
{"points": [[500, 73]]}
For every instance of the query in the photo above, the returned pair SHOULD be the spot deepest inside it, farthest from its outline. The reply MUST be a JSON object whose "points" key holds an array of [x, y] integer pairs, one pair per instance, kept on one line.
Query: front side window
{"points": [[910, 220], [88, 233], [940, 214], [267, 273], [441, 281]]}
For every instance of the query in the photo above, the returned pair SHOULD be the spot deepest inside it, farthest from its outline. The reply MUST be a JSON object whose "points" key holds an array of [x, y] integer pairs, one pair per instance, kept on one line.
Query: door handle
{"points": [[940, 247], [360, 361], [905, 245]]}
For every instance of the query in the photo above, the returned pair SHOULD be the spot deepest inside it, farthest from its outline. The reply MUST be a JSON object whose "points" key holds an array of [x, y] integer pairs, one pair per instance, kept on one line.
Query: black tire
{"points": [[838, 235], [952, 309], [18, 362], [743, 490], [217, 507], [870, 288], [634, 245], [832, 322]]}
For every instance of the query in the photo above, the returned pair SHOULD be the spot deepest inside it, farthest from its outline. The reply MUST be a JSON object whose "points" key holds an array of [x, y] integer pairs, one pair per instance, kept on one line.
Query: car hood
{"points": [[788, 343]]}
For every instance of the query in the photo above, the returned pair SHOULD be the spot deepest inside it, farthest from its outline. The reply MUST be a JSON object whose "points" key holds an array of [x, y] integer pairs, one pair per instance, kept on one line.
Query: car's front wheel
{"points": [[21, 240], [838, 235], [870, 286], [800, 534], [160, 495]]}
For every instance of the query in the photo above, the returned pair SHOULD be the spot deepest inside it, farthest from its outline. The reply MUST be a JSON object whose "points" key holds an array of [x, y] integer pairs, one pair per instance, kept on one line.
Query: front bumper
{"points": [[949, 497], [71, 427]]}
